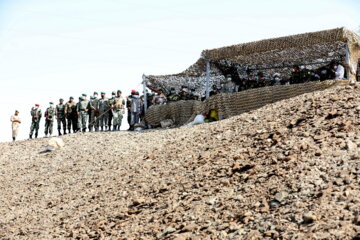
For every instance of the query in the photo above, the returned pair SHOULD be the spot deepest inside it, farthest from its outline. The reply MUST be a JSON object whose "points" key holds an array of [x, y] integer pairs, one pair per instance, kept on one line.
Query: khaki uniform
{"points": [[15, 126], [118, 110]]}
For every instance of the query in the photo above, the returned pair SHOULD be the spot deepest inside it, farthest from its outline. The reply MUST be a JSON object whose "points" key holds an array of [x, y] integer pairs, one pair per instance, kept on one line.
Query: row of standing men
{"points": [[96, 114]]}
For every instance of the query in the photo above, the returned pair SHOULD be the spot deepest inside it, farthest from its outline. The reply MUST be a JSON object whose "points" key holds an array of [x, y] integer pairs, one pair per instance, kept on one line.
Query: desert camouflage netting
{"points": [[314, 49], [230, 104]]}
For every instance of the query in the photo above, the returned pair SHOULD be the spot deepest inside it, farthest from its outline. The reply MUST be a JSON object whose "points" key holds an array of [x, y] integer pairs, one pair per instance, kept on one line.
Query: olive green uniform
{"points": [[60, 114], [35, 122], [49, 120]]}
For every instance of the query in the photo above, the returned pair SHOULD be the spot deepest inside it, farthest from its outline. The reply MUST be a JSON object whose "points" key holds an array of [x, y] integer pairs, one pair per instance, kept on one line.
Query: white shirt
{"points": [[340, 72]]}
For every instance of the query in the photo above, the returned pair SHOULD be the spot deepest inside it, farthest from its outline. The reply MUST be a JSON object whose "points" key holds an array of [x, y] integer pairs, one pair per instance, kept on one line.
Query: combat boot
{"points": [[64, 132], [102, 128], [30, 136], [59, 132], [36, 135]]}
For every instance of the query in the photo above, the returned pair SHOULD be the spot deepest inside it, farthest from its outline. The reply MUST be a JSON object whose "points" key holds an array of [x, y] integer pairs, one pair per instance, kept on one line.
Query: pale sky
{"points": [[62, 48]]}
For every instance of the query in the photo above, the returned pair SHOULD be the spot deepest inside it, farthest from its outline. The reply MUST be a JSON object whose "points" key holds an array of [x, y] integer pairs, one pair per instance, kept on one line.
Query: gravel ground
{"points": [[290, 170]]}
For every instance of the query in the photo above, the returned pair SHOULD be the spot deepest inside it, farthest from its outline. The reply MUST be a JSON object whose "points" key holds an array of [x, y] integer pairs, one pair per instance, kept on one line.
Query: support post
{"points": [[207, 78], [144, 92], [348, 60]]}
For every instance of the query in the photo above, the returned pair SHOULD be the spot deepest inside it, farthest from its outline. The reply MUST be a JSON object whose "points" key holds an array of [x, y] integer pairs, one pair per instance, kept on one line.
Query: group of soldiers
{"points": [[299, 74], [96, 114]]}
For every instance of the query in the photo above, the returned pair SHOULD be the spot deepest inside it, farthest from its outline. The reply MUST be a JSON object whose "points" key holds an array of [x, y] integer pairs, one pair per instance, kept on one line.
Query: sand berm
{"points": [[289, 170]]}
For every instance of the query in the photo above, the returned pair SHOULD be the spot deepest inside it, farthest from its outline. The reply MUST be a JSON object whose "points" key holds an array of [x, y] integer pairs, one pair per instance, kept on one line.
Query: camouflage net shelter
{"points": [[314, 49], [230, 104]]}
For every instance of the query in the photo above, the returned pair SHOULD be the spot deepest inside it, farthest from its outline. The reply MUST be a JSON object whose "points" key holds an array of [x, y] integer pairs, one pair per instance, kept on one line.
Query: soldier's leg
{"points": [[37, 125], [79, 123], [75, 123], [84, 116], [115, 120], [32, 127], [68, 119], [51, 126], [59, 126], [46, 127], [63, 120], [106, 120], [110, 117], [120, 120]]}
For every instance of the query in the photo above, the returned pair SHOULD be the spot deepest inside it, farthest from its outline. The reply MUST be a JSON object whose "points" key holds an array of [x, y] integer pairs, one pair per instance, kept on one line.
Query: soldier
{"points": [[214, 90], [173, 96], [128, 106], [71, 115], [60, 116], [103, 112], [35, 122], [111, 104], [193, 95], [295, 75], [184, 93], [118, 110], [49, 119], [82, 109], [15, 122], [94, 113], [135, 109], [229, 85]]}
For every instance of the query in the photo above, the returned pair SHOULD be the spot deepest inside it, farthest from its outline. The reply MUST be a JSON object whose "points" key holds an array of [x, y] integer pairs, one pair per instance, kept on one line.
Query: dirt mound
{"points": [[290, 170]]}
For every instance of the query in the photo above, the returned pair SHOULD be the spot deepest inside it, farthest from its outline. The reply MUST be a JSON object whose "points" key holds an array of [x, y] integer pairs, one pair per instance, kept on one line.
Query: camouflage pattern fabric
{"points": [[60, 113], [49, 120], [35, 122], [230, 104]]}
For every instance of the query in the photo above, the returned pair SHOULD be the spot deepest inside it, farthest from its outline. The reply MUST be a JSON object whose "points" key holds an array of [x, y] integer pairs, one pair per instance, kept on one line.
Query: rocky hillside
{"points": [[290, 170]]}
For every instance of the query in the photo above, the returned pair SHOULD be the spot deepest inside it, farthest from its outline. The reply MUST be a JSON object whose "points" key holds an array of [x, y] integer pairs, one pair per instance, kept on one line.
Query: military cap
{"points": [[61, 99], [51, 103], [81, 98], [84, 94], [172, 88], [71, 97], [38, 105], [113, 92], [95, 92], [102, 92], [119, 91], [133, 91]]}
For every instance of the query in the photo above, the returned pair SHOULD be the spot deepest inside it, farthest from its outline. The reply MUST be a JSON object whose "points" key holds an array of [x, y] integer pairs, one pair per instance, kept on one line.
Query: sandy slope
{"points": [[288, 170]]}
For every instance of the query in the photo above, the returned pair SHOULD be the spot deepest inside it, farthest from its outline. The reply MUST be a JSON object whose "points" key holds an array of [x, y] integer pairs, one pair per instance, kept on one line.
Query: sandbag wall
{"points": [[230, 104]]}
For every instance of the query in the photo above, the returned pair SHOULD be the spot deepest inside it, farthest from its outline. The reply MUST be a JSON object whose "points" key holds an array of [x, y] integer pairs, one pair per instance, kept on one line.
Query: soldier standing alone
{"points": [[15, 122], [35, 120], [71, 115], [49, 119], [60, 116]]}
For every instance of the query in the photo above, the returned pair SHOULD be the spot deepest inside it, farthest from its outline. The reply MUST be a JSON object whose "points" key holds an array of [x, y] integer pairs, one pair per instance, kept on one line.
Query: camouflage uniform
{"points": [[118, 110], [49, 120], [93, 114], [35, 122], [104, 116], [184, 95], [71, 116], [82, 109], [173, 97], [60, 114]]}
